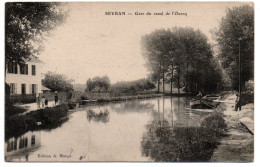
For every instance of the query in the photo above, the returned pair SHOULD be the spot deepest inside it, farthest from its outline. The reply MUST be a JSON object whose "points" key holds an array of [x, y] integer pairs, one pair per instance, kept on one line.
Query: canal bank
{"points": [[238, 145], [155, 129], [22, 118]]}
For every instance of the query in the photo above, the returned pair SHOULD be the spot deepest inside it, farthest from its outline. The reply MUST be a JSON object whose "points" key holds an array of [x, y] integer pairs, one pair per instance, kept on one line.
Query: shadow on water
{"points": [[171, 141]]}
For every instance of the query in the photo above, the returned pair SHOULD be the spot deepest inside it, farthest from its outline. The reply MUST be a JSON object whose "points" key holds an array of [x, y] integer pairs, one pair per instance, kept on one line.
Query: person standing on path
{"points": [[238, 103], [56, 99], [38, 100], [43, 101]]}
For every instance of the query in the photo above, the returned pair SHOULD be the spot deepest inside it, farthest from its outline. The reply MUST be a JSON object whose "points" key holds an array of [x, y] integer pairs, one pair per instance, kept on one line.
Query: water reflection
{"points": [[18, 149], [178, 136], [159, 129], [133, 106], [102, 116]]}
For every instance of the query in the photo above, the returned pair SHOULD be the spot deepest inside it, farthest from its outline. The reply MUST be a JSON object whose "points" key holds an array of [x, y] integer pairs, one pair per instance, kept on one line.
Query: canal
{"points": [[158, 129]]}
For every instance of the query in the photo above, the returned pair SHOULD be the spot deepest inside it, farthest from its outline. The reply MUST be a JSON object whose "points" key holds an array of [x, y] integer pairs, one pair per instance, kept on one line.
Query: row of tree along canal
{"points": [[182, 57]]}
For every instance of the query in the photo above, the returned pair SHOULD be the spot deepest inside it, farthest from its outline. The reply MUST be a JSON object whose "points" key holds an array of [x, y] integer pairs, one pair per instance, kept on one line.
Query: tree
{"points": [[237, 28], [27, 24], [155, 53], [89, 85], [57, 82], [132, 86], [183, 56], [100, 83]]}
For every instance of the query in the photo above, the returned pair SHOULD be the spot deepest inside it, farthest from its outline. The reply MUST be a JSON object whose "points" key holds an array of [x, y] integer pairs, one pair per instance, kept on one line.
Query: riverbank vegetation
{"points": [[125, 98], [103, 84], [183, 144], [46, 118]]}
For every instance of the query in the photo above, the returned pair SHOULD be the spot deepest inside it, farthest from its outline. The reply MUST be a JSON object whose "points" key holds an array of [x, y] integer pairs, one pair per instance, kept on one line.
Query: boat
{"points": [[88, 101], [206, 102], [211, 97]]}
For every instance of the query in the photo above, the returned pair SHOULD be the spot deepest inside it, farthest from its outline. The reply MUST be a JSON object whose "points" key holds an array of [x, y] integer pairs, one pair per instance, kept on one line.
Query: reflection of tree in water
{"points": [[97, 117], [164, 143], [133, 106]]}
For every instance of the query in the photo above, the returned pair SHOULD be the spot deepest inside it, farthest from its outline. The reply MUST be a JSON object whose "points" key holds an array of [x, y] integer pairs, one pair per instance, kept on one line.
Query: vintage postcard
{"points": [[129, 82]]}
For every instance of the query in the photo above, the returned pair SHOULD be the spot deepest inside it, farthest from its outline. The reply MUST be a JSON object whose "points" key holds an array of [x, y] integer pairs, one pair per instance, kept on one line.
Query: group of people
{"points": [[42, 102]]}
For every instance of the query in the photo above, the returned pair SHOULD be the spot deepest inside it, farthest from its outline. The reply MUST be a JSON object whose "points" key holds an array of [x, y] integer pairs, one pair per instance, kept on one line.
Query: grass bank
{"points": [[46, 118]]}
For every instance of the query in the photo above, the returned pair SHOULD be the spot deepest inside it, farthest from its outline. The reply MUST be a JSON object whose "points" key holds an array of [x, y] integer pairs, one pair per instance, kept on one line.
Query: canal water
{"points": [[138, 130]]}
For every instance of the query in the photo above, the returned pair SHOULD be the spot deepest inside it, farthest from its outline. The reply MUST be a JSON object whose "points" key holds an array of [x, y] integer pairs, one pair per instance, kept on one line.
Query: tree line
{"points": [[103, 84], [234, 37], [182, 57]]}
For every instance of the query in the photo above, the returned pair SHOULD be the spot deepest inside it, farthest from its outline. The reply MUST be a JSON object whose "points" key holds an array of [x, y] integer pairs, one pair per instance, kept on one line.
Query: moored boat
{"points": [[206, 102]]}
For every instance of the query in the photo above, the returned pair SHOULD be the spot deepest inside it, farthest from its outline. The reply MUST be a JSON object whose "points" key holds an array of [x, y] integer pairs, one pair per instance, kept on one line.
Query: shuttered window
{"points": [[33, 70], [24, 69], [33, 88], [13, 88], [23, 88], [12, 68]]}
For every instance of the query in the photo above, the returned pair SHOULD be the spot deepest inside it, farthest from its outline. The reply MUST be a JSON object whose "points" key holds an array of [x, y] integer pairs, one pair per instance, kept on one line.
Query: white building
{"points": [[24, 79]]}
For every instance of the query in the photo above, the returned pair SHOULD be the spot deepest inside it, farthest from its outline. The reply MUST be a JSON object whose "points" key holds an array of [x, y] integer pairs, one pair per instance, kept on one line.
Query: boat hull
{"points": [[203, 104]]}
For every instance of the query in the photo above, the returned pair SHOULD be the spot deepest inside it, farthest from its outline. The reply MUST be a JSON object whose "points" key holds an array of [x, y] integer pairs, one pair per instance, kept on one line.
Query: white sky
{"points": [[92, 44]]}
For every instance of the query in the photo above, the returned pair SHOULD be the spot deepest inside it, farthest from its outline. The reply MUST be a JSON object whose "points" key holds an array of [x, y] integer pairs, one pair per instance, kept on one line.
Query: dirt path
{"points": [[238, 145]]}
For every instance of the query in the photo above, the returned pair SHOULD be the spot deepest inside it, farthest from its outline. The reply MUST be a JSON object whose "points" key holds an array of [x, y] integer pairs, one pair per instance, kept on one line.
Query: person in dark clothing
{"points": [[46, 102], [238, 103], [56, 99]]}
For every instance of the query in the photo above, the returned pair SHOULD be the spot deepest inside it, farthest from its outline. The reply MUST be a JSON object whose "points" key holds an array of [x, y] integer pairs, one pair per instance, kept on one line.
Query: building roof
{"points": [[44, 88], [34, 59]]}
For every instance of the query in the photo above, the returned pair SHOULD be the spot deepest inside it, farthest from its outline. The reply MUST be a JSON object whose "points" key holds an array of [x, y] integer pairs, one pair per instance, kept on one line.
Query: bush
{"points": [[247, 97], [49, 117], [11, 110]]}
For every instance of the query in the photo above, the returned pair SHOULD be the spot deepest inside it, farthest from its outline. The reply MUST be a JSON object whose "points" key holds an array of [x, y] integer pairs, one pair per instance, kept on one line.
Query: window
{"points": [[33, 70], [24, 69], [23, 143], [12, 68], [23, 88], [13, 88], [33, 140], [34, 88]]}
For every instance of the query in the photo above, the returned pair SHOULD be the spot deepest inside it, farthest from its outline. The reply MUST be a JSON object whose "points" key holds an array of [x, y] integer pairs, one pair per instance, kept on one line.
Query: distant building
{"points": [[24, 80]]}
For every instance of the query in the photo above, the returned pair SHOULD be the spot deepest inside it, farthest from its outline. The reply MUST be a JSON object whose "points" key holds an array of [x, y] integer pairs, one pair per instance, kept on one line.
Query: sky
{"points": [[91, 43]]}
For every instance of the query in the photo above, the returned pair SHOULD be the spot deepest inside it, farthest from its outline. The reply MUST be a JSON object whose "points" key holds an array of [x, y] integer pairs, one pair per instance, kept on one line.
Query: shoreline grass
{"points": [[46, 118], [125, 98]]}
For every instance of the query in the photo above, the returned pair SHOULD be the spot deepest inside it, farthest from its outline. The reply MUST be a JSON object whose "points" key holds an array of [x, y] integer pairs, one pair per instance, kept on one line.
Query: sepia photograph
{"points": [[129, 81]]}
